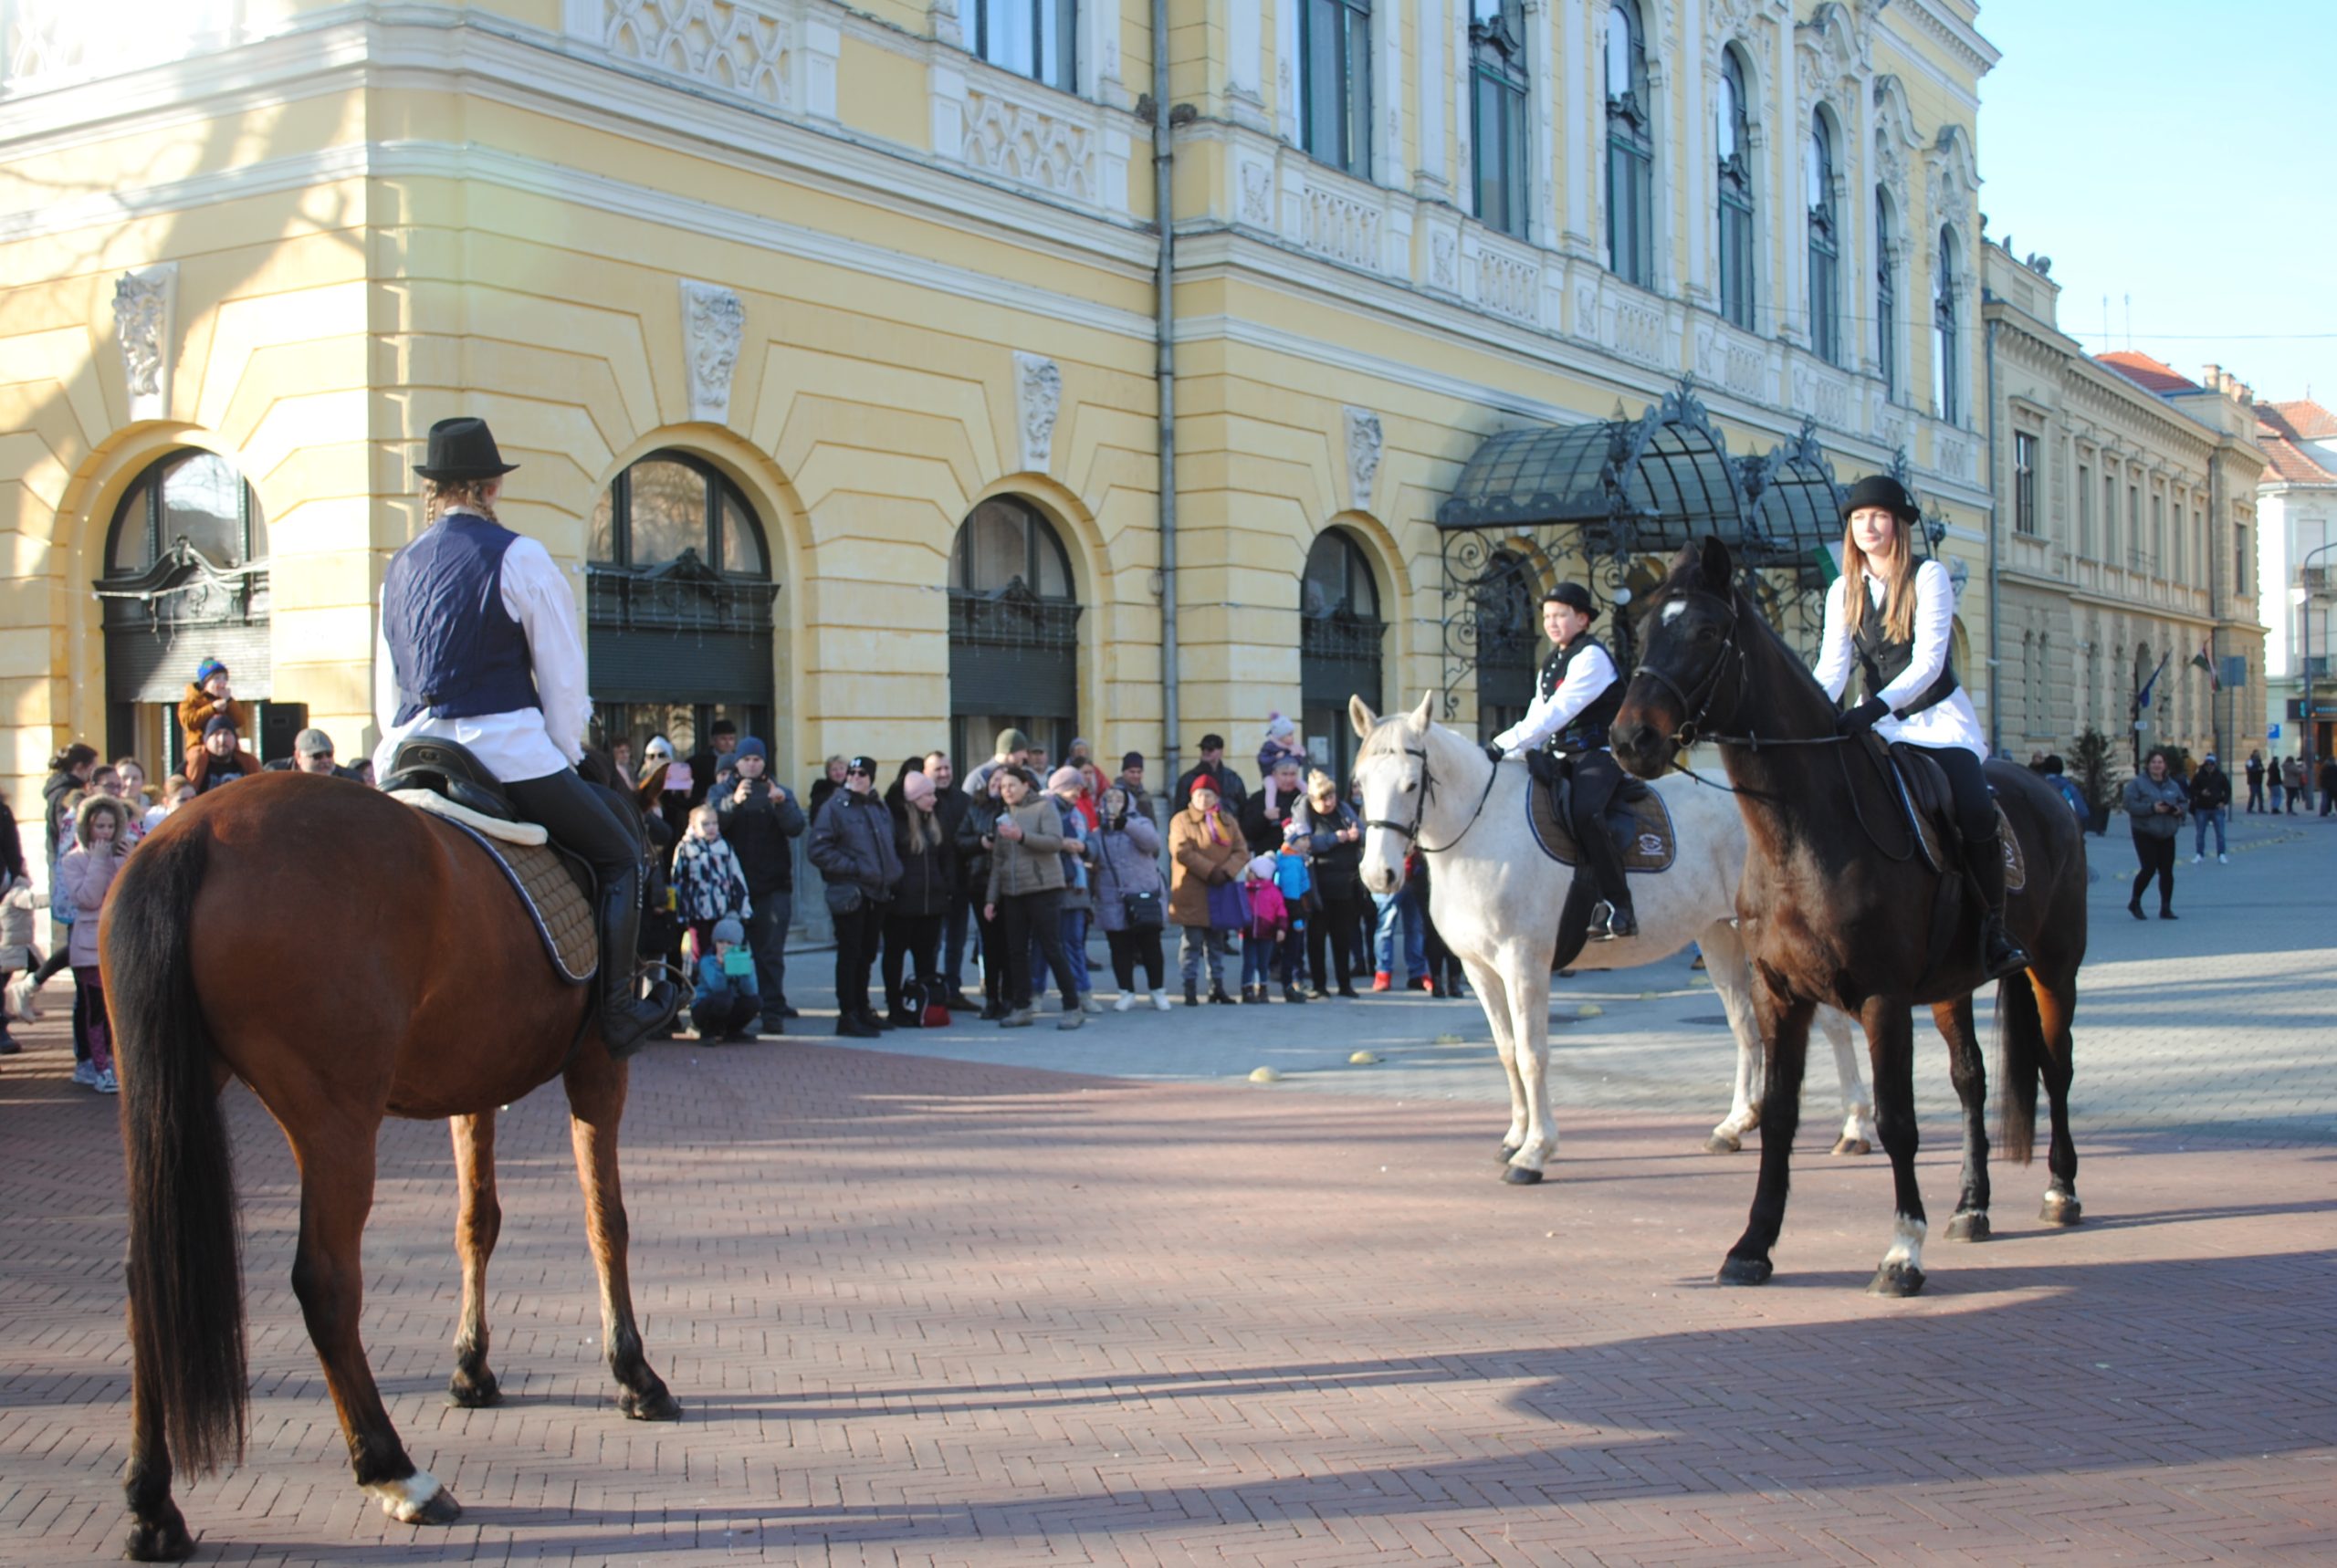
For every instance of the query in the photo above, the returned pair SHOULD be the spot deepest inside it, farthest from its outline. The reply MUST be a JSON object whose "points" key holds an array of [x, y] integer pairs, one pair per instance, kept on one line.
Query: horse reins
{"points": [[1420, 806]]}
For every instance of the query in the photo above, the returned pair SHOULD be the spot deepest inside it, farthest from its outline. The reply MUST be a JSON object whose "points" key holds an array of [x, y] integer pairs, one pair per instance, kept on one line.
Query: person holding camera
{"points": [[1024, 895], [852, 843], [2156, 806], [1131, 904], [759, 817]]}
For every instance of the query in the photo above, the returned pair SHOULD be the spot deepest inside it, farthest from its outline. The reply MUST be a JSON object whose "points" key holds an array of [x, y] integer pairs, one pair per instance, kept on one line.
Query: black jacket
{"points": [[1232, 792], [758, 830], [2210, 787], [12, 847], [60, 784], [1264, 828], [928, 883], [1338, 867], [853, 842], [979, 821]]}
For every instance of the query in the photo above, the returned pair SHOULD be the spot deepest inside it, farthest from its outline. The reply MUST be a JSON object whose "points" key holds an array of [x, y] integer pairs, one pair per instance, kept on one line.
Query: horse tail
{"points": [[185, 1266], [2020, 1060]]}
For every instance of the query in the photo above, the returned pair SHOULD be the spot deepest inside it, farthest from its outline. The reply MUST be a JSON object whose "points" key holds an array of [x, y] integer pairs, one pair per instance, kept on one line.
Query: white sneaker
{"points": [[1088, 1003], [85, 1073], [2196, 859], [1160, 1001], [1127, 1000], [24, 997], [105, 1084], [2221, 859]]}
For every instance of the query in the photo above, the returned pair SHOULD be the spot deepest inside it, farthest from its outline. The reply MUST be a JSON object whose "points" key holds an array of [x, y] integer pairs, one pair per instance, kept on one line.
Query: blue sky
{"points": [[2160, 150]]}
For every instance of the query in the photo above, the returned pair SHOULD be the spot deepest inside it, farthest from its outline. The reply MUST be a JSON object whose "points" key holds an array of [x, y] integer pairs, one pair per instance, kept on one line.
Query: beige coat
{"points": [[1032, 864], [1194, 861]]}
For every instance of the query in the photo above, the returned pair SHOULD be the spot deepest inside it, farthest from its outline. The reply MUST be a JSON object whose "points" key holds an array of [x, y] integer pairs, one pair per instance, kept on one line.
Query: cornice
{"points": [[1951, 31]]}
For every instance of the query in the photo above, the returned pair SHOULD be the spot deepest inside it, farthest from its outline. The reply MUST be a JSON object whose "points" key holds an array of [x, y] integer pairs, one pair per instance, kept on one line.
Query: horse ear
{"points": [[1719, 567], [647, 791], [1419, 715], [1360, 714]]}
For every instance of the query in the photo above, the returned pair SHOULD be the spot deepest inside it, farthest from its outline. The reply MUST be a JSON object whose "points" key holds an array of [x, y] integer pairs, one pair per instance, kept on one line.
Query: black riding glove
{"points": [[1861, 718], [1494, 750]]}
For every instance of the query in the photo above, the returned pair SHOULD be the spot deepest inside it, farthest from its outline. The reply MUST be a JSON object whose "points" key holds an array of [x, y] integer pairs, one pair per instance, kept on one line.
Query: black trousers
{"points": [[581, 817], [990, 944], [2157, 858], [1595, 778], [1130, 948], [1025, 918], [1976, 809], [1336, 926], [911, 939], [727, 1012], [857, 937]]}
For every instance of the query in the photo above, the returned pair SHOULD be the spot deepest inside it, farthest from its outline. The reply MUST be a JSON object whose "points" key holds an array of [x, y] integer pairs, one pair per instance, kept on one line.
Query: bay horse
{"points": [[1838, 907], [1495, 898], [348, 959]]}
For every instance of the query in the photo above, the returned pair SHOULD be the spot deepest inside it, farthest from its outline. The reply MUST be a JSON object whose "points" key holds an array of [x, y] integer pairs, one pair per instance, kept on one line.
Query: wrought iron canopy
{"points": [[184, 587], [1796, 508]]}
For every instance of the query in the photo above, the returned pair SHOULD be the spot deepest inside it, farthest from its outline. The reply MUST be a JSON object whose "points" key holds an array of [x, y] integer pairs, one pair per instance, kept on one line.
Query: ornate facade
{"points": [[2297, 507], [2126, 501], [829, 347]]}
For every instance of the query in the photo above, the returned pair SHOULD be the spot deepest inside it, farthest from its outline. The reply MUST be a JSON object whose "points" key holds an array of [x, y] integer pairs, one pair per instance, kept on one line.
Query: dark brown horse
{"points": [[348, 958], [1836, 906]]}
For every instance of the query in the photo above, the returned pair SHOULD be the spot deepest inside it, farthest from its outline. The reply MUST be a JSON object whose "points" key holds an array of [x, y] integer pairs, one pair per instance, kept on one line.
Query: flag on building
{"points": [[2200, 660]]}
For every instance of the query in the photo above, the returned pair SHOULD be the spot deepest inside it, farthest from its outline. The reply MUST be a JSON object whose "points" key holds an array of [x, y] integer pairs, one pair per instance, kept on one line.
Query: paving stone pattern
{"points": [[930, 1312]]}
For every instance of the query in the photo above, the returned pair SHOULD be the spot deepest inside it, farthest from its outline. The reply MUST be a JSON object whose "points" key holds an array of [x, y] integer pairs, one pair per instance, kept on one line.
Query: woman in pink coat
{"points": [[84, 876]]}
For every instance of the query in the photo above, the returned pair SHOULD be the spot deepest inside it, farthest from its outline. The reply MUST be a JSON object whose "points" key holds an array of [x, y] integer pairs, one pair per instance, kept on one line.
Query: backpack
{"points": [[930, 1010]]}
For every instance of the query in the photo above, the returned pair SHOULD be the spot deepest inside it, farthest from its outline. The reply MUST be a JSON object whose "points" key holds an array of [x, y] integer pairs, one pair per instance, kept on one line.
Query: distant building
{"points": [[2126, 501], [2297, 505]]}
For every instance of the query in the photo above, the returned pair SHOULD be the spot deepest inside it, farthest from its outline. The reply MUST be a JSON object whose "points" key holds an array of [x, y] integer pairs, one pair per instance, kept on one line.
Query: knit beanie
{"points": [[727, 929]]}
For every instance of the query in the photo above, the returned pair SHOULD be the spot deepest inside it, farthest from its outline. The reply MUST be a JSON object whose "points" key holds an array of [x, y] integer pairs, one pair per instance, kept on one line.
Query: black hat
{"points": [[1881, 490], [722, 726], [1133, 759], [862, 765], [463, 449], [1574, 596]]}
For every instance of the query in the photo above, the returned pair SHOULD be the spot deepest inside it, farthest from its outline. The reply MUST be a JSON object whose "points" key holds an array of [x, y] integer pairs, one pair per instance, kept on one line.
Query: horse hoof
{"points": [[1744, 1272], [1520, 1176], [1853, 1146], [1508, 1153], [2061, 1208], [1723, 1143], [658, 1404], [1972, 1225], [478, 1393], [418, 1499], [1896, 1280], [160, 1539], [439, 1508]]}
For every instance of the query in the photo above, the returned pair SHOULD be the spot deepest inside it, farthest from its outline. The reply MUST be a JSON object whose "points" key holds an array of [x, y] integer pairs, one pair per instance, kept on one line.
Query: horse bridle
{"points": [[1420, 806], [1690, 730]]}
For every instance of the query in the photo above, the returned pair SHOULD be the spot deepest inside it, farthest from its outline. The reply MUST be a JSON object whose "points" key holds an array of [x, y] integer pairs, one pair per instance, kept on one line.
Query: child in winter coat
{"points": [[708, 882], [208, 698], [1296, 878], [84, 877], [1269, 923], [17, 952], [726, 1003]]}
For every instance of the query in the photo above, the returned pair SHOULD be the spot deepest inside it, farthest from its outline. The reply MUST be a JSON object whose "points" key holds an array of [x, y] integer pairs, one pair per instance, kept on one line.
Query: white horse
{"points": [[1497, 899]]}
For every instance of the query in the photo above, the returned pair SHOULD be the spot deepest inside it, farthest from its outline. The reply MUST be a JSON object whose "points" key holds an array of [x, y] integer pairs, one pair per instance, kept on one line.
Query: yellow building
{"points": [[831, 344]]}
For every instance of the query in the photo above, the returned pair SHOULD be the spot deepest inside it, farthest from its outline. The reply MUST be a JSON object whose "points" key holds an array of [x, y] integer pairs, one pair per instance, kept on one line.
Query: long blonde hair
{"points": [[1898, 579], [438, 495]]}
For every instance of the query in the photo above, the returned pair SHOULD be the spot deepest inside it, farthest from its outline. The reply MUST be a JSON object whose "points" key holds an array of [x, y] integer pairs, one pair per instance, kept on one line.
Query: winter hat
{"points": [[1279, 726], [91, 804], [1292, 830], [1133, 759], [749, 746], [1262, 868], [219, 721], [1010, 741], [1067, 777], [208, 668], [312, 742], [658, 749], [727, 929], [1206, 782]]}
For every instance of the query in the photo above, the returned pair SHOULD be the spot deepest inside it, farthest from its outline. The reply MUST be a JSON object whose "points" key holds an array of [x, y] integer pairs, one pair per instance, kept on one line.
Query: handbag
{"points": [[1144, 911]]}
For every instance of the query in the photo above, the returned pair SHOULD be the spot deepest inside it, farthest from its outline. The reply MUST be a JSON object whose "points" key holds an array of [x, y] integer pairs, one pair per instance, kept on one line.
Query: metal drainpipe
{"points": [[1995, 666], [2216, 710], [1164, 156]]}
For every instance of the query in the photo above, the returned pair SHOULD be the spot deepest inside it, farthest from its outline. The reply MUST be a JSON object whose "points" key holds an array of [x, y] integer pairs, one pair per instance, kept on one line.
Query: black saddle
{"points": [[443, 768], [1927, 807], [1636, 819]]}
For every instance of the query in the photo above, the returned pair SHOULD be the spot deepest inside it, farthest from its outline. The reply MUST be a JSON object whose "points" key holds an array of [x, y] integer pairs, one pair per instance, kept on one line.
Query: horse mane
{"points": [[1687, 576]]}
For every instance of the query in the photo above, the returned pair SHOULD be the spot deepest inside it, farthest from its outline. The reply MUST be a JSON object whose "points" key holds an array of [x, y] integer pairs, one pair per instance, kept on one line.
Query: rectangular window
{"points": [[2085, 511], [1335, 51], [2134, 527], [1036, 38], [2241, 578], [1497, 112], [2024, 483], [2158, 533], [2109, 518]]}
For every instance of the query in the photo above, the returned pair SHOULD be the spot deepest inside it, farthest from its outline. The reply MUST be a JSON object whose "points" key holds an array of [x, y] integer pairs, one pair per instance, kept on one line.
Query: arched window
{"points": [[1339, 634], [1825, 245], [1013, 631], [1497, 111], [1630, 150], [1036, 38], [185, 579], [678, 596], [1335, 82], [1732, 136], [1947, 365], [1886, 298], [1509, 625]]}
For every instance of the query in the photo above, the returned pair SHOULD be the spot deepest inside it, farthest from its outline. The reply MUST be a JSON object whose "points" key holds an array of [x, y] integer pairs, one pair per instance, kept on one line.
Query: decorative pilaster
{"points": [[713, 323], [144, 306], [1362, 458]]}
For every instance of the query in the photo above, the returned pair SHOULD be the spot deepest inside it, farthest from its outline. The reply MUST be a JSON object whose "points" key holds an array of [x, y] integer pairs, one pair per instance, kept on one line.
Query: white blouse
{"points": [[1948, 722]]}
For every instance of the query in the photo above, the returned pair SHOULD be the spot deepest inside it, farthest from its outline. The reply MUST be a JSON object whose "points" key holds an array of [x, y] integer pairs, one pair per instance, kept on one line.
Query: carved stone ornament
{"points": [[1362, 458], [1038, 396], [143, 305], [1257, 195], [713, 323]]}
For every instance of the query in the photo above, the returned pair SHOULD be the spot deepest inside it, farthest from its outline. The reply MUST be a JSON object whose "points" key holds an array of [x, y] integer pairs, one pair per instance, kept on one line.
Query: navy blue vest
{"points": [[1588, 730], [458, 651]]}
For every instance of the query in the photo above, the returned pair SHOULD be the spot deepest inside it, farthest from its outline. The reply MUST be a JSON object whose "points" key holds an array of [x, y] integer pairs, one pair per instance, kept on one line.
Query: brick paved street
{"points": [[929, 1310]]}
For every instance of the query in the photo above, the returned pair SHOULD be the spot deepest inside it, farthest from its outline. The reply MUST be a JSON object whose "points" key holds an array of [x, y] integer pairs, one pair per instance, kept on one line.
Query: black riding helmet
{"points": [[1881, 490], [1574, 597]]}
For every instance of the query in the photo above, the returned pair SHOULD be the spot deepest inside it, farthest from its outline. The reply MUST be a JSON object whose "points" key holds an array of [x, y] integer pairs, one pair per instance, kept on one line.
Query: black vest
{"points": [[1588, 730], [1884, 659]]}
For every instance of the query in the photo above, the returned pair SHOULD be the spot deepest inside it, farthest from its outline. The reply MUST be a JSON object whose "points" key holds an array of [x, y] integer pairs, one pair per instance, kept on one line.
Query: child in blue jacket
{"points": [[1296, 880], [725, 1004]]}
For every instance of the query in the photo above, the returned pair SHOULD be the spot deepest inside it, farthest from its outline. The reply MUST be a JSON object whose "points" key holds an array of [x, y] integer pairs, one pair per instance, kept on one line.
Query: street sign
{"points": [[2273, 733]]}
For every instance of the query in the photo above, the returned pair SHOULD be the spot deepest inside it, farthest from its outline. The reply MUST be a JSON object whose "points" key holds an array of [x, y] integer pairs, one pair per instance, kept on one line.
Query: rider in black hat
{"points": [[479, 646], [1896, 620], [1577, 699]]}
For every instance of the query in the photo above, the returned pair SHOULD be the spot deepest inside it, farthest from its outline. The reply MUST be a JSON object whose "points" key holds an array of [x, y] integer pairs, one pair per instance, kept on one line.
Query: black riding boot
{"points": [[2000, 953], [625, 1017], [1605, 862]]}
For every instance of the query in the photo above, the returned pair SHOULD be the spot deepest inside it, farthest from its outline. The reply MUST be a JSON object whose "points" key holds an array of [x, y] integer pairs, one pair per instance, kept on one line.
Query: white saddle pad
{"points": [[438, 805]]}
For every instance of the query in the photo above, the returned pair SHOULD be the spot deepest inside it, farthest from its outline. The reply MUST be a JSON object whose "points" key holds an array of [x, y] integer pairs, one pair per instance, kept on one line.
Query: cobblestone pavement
{"points": [[932, 1312]]}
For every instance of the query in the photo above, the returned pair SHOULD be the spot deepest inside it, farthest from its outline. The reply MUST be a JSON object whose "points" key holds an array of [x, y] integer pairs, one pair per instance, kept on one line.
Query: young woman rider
{"points": [[1893, 618]]}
